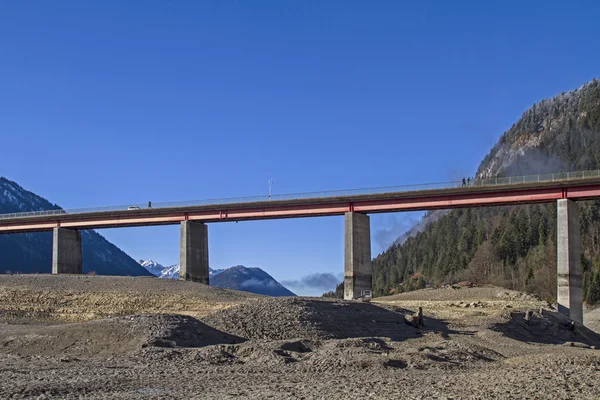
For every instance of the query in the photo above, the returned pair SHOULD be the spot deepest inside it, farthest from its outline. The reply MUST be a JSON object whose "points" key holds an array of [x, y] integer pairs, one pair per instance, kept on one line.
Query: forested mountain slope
{"points": [[511, 246]]}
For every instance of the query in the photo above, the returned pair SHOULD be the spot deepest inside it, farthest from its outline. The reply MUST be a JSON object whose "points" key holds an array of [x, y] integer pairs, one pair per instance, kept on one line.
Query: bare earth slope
{"points": [[475, 344], [83, 297]]}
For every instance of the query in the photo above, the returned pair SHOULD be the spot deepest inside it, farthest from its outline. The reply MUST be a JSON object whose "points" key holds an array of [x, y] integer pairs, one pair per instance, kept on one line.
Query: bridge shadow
{"points": [[549, 328]]}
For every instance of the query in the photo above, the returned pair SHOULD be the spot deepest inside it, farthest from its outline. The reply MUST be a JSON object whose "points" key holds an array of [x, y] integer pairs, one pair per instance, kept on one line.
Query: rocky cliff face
{"points": [[32, 252], [555, 135]]}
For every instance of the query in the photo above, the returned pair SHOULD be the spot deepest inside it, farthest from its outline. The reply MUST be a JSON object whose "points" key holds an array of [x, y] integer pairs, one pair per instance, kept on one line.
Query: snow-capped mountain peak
{"points": [[253, 280], [170, 272], [153, 267]]}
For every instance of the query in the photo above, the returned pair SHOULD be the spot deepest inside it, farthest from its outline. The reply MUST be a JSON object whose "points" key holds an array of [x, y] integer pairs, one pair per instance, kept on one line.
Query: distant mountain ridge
{"points": [[32, 252], [253, 280]]}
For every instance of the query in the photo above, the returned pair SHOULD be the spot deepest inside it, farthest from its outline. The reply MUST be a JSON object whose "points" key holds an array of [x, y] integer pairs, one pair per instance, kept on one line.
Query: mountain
{"points": [[511, 246], [32, 252], [253, 280], [160, 270], [170, 272]]}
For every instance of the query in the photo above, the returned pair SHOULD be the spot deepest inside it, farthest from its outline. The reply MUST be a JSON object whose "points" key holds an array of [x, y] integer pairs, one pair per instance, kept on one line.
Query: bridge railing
{"points": [[511, 180]]}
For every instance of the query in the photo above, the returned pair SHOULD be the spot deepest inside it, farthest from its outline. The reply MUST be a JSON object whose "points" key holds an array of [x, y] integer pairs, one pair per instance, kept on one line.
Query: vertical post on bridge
{"points": [[193, 252], [66, 251], [568, 260], [357, 255]]}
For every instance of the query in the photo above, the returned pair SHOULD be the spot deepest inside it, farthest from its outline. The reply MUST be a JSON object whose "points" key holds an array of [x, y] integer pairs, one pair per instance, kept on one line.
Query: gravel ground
{"points": [[282, 348]]}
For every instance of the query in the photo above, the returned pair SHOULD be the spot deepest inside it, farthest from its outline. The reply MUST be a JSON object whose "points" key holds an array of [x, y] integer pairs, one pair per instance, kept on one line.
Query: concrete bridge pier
{"points": [[193, 252], [568, 260], [66, 251], [357, 255]]}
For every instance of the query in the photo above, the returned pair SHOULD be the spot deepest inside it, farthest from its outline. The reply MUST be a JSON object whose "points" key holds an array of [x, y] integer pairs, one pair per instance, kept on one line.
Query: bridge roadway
{"points": [[66, 225], [416, 200]]}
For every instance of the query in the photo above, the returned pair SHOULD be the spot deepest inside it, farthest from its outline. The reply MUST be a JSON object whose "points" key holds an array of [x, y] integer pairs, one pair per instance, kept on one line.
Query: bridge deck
{"points": [[428, 199]]}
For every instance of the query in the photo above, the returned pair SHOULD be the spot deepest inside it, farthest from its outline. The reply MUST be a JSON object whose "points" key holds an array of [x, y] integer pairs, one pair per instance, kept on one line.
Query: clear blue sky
{"points": [[112, 102]]}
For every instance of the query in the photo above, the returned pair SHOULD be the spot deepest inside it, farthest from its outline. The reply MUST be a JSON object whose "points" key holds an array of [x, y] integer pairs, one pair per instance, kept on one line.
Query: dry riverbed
{"points": [[143, 338]]}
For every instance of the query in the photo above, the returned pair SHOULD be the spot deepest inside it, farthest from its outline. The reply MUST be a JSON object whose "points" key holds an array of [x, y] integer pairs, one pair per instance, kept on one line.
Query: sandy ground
{"points": [[591, 319], [73, 298], [475, 344]]}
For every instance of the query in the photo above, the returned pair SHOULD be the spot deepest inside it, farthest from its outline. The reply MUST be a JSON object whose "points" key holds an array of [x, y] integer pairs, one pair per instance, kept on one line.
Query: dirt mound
{"points": [[291, 318], [110, 337]]}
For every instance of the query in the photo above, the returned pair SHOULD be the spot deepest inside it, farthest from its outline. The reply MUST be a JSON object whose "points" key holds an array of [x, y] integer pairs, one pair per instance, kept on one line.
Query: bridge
{"points": [[193, 216]]}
